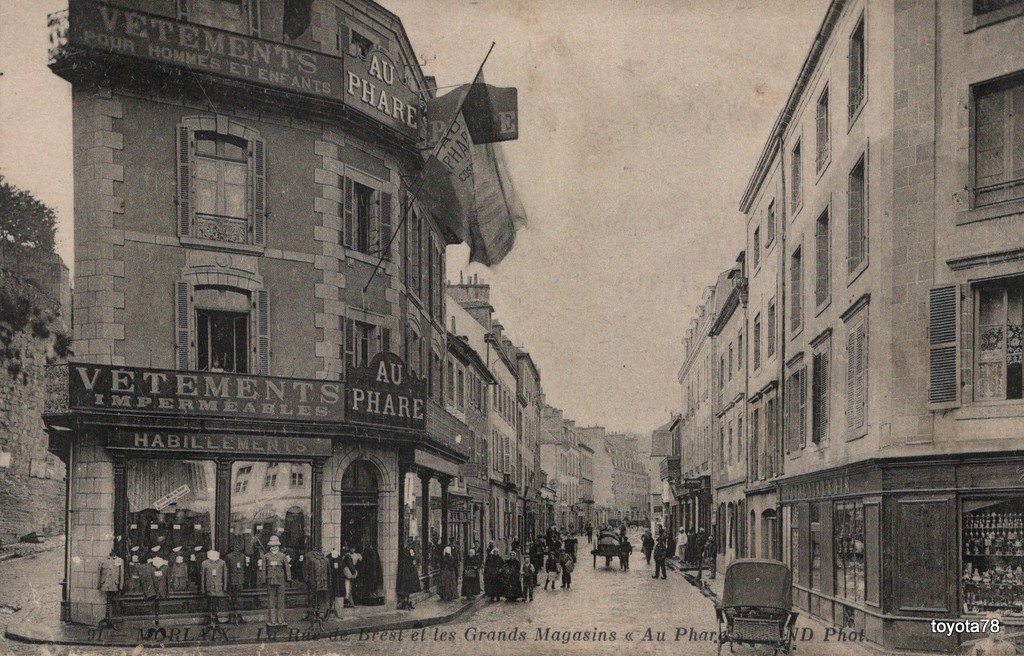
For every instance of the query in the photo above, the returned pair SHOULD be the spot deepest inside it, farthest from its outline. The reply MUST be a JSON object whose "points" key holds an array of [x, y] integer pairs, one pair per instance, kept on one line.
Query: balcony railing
{"points": [[670, 468]]}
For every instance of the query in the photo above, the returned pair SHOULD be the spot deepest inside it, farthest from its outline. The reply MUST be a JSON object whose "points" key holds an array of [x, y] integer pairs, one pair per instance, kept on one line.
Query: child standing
{"points": [[551, 569], [529, 580]]}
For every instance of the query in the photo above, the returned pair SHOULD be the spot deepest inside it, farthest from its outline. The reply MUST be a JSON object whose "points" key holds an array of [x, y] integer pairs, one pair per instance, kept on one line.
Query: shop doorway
{"points": [[360, 501]]}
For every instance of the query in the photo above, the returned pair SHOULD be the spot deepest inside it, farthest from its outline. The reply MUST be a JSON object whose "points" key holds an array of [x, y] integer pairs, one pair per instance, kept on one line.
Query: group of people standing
{"points": [[688, 548]]}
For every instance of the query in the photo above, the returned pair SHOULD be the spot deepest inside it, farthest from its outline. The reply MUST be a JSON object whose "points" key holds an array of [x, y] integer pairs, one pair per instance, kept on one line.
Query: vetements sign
{"points": [[124, 32], [217, 443], [170, 392], [386, 393]]}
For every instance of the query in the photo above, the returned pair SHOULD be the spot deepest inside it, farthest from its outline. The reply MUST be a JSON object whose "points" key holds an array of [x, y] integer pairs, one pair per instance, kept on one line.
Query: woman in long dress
{"points": [[448, 588], [492, 573], [513, 579], [471, 575], [408, 578]]}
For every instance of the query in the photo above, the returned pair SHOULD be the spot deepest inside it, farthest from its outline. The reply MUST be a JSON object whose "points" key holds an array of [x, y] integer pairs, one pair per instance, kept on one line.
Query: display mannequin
{"points": [[277, 575], [214, 584], [178, 571], [316, 572], [236, 561], [133, 585], [111, 582]]}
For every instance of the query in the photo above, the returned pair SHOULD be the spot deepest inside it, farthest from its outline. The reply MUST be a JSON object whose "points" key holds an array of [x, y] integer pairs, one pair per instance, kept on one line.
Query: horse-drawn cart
{"points": [[609, 546]]}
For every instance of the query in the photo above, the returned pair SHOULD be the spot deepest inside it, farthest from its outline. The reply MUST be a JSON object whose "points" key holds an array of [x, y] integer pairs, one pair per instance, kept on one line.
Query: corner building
{"points": [[240, 167]]}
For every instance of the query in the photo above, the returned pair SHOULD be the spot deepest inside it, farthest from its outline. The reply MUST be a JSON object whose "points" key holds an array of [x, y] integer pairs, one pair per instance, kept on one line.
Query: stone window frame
{"points": [[185, 356], [185, 146]]}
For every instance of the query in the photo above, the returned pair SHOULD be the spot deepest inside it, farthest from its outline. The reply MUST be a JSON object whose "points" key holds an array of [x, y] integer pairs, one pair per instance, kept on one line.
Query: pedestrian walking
{"points": [[567, 564], [682, 546], [471, 575], [408, 581], [512, 579], [590, 532], [570, 546], [711, 553], [529, 580], [447, 590], [537, 554], [659, 560], [492, 573], [647, 546], [551, 570], [624, 550]]}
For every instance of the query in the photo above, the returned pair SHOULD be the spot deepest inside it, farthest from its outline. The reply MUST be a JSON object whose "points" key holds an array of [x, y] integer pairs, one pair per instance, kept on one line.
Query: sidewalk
{"points": [[172, 633]]}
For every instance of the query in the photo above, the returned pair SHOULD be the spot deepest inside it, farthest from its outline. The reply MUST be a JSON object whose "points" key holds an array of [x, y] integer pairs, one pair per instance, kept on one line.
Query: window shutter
{"points": [[943, 310], [259, 192], [385, 226], [802, 409], [350, 343], [855, 221], [787, 415], [185, 149], [862, 373], [821, 256], [262, 333], [182, 324], [349, 227]]}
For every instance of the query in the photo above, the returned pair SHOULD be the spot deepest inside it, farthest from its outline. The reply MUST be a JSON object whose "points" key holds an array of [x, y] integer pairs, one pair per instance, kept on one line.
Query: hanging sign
{"points": [[386, 393], [171, 497]]}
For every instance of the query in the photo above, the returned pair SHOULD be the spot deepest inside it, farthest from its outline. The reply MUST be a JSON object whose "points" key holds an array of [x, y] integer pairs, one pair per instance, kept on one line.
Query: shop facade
{"points": [[886, 546]]}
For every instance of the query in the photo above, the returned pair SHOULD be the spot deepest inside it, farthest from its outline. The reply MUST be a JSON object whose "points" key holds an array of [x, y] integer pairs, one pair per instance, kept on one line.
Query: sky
{"points": [[640, 123]]}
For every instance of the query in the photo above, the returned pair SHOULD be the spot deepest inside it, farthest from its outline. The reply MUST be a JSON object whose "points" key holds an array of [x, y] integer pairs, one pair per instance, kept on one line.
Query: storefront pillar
{"points": [[222, 535], [425, 525], [445, 482], [120, 506], [402, 537], [316, 505]]}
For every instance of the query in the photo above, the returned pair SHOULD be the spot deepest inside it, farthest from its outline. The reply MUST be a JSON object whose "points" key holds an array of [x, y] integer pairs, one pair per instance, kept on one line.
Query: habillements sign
{"points": [[125, 32], [170, 392], [386, 393]]}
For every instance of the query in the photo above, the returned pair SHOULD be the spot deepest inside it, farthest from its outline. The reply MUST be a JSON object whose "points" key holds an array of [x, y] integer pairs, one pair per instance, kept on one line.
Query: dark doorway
{"points": [[360, 489]]}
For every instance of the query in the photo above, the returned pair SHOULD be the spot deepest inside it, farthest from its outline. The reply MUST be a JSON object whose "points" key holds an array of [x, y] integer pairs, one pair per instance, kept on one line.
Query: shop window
{"points": [[999, 338], [815, 547], [848, 532], [794, 546], [171, 506], [993, 556], [257, 513]]}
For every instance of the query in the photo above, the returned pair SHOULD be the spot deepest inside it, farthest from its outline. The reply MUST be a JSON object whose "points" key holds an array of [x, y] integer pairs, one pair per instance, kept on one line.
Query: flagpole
{"points": [[422, 176]]}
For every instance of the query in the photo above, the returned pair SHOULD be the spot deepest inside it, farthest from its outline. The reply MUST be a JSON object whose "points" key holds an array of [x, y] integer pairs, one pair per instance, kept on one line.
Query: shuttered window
{"points": [[998, 341], [757, 342], [262, 307], [770, 338], [796, 291], [795, 405], [820, 392], [757, 247], [796, 197], [857, 227], [856, 374], [824, 149], [943, 310], [182, 324], [822, 260], [221, 194], [857, 69], [769, 235], [999, 141]]}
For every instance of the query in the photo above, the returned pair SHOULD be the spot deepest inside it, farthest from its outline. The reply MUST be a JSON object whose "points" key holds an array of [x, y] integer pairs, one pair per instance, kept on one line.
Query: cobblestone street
{"points": [[606, 612]]}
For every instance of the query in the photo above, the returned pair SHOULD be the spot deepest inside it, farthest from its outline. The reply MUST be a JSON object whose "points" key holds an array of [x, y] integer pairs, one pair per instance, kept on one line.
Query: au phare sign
{"points": [[386, 393]]}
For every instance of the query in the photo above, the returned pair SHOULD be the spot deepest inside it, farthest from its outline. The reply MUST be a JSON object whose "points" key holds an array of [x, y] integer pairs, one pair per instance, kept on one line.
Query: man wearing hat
{"points": [[277, 573]]}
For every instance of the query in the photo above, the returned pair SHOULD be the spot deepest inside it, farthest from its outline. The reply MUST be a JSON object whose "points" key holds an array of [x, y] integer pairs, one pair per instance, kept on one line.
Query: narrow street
{"points": [[607, 611]]}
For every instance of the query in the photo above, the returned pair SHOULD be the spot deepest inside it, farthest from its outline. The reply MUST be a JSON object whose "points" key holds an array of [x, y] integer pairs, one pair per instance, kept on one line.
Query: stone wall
{"points": [[31, 479]]}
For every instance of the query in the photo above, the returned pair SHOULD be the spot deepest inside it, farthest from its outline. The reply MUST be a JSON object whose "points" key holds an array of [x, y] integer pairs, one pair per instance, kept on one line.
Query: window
{"points": [[757, 341], [796, 291], [364, 218], [298, 476], [230, 15], [796, 409], [721, 372], [222, 341], [722, 449], [999, 141], [796, 177], [460, 389], [858, 86], [819, 393], [822, 260], [771, 448], [358, 338], [756, 470], [999, 337], [848, 532], [857, 375], [815, 547], [730, 361], [359, 45], [270, 478], [769, 236], [739, 439], [857, 237], [823, 151], [739, 350], [757, 247], [450, 382], [771, 328], [242, 479]]}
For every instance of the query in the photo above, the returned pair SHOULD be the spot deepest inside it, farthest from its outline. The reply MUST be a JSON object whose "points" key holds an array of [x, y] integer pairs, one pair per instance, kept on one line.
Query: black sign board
{"points": [[386, 393], [170, 392]]}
